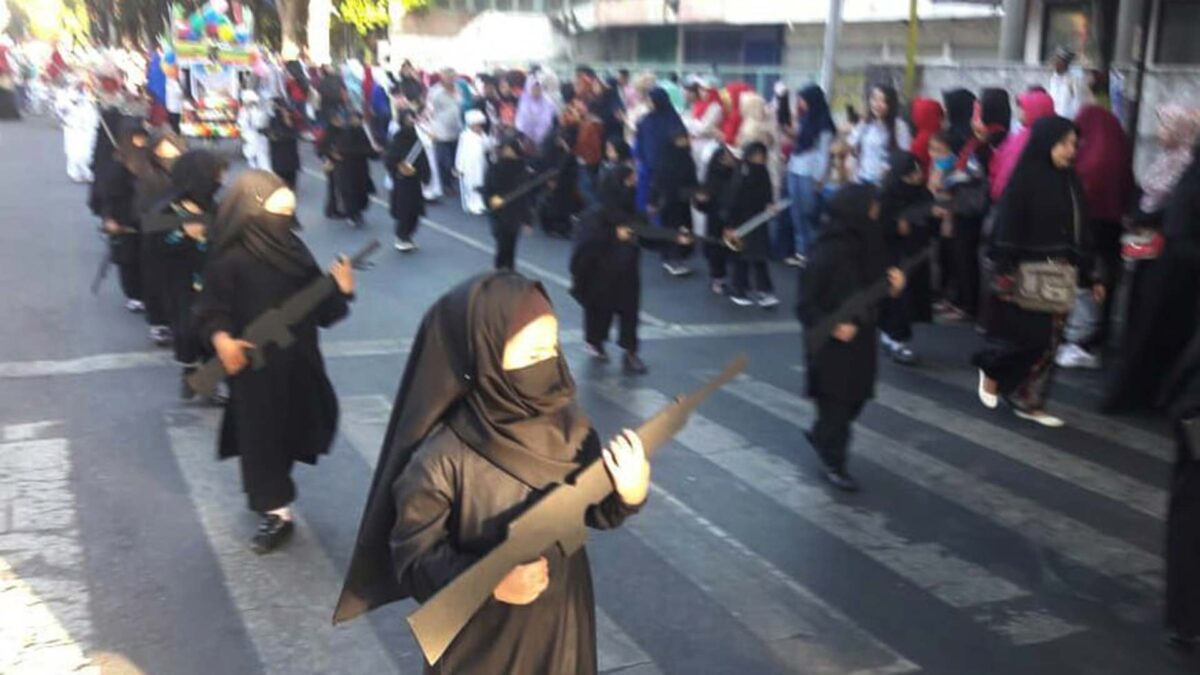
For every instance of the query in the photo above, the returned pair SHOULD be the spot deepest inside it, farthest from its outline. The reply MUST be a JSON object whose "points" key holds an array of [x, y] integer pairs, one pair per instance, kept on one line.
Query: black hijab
{"points": [[615, 196], [405, 137], [960, 108], [1042, 212], [995, 112], [850, 221], [814, 121], [270, 237], [454, 376], [196, 176]]}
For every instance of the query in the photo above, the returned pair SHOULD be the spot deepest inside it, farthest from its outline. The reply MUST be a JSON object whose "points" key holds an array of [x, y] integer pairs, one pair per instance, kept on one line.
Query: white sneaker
{"points": [[135, 306], [1042, 418], [405, 246], [989, 401], [767, 300], [796, 260], [1074, 356], [677, 269]]}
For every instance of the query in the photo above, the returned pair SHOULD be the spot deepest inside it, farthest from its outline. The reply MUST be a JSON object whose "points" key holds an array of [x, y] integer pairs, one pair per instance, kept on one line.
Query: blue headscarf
{"points": [[816, 120]]}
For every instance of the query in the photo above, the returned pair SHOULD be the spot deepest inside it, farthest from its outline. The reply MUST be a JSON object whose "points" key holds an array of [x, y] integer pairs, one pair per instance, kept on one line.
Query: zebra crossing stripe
{"points": [[364, 423], [284, 600], [1080, 472], [1145, 442], [956, 582], [1108, 556], [45, 625], [800, 630]]}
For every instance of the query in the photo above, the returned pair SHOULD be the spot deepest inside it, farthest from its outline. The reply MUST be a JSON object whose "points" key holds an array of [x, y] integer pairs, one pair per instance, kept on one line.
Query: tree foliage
{"points": [[365, 16]]}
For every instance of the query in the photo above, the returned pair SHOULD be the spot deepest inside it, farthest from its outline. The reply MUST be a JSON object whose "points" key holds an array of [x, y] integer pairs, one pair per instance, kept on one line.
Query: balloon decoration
{"points": [[212, 21]]}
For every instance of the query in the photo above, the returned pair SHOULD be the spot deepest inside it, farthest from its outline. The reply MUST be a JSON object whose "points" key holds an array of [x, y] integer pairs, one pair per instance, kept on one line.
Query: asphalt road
{"points": [[980, 544]]}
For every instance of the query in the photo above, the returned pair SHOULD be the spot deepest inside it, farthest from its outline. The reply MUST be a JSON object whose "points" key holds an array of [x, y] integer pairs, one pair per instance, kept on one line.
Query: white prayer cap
{"points": [[475, 117], [248, 96]]}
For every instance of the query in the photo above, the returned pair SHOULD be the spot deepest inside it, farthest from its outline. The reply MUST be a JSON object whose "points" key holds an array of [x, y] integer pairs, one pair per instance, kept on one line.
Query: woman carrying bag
{"points": [[1041, 251]]}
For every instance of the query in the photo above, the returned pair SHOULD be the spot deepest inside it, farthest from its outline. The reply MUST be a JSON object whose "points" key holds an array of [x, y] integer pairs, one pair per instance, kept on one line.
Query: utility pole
{"points": [[910, 55], [833, 28]]}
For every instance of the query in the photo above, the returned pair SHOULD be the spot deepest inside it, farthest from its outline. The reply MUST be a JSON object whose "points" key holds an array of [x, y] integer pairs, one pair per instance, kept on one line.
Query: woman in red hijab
{"points": [[1105, 168], [927, 118]]}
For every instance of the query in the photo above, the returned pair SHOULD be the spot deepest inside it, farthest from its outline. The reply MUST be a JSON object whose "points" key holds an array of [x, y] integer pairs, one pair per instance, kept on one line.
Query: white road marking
{"points": [[96, 363], [1145, 442], [1108, 556], [804, 633], [1077, 471], [28, 431], [284, 599], [45, 624], [484, 247], [927, 565], [364, 423]]}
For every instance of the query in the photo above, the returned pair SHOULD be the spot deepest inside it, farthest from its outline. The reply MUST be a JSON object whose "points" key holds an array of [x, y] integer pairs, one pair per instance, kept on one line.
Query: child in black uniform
{"points": [[749, 195], [503, 176], [850, 255]]}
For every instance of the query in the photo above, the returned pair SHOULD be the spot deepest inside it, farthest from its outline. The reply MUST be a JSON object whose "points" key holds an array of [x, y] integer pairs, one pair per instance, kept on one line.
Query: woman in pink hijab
{"points": [[1033, 105]]}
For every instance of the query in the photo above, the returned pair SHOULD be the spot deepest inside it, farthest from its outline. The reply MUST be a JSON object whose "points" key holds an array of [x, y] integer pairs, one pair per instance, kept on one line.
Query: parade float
{"points": [[213, 55]]}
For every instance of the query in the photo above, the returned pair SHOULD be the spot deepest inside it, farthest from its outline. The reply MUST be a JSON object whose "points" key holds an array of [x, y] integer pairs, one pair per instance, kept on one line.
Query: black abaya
{"points": [[1041, 216], [464, 454], [287, 411], [351, 172], [407, 199]]}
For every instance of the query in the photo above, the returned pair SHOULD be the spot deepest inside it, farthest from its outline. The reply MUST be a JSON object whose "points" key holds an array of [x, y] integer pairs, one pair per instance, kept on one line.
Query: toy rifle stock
{"points": [[274, 326], [524, 189], [556, 519], [858, 305]]}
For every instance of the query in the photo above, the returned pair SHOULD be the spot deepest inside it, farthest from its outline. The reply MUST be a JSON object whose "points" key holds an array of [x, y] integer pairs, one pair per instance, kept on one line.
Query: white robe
{"points": [[255, 146], [80, 122], [471, 165], [433, 189]]}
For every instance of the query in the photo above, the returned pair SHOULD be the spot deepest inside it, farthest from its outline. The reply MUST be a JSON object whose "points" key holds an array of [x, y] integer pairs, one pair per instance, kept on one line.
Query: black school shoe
{"points": [[841, 480], [633, 365], [272, 531]]}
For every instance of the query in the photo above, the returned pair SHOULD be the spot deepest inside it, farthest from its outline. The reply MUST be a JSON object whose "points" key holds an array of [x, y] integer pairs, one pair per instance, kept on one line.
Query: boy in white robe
{"points": [[470, 164], [80, 121], [432, 191], [252, 120]]}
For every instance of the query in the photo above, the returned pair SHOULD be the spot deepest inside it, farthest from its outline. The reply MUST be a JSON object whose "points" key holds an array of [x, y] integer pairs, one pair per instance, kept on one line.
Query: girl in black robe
{"points": [[850, 255], [1040, 217], [906, 207], [606, 269], [195, 180], [153, 173], [114, 198], [718, 181], [562, 200], [503, 176], [670, 198], [408, 200], [485, 422], [286, 411], [748, 195], [351, 171], [284, 143]]}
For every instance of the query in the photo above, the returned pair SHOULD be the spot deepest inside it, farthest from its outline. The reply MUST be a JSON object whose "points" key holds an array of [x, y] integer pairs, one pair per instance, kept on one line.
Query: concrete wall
{"points": [[860, 44]]}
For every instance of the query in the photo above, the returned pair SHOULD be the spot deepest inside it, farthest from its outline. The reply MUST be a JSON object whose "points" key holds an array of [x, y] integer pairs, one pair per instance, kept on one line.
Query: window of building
{"points": [[1177, 43], [1074, 25]]}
